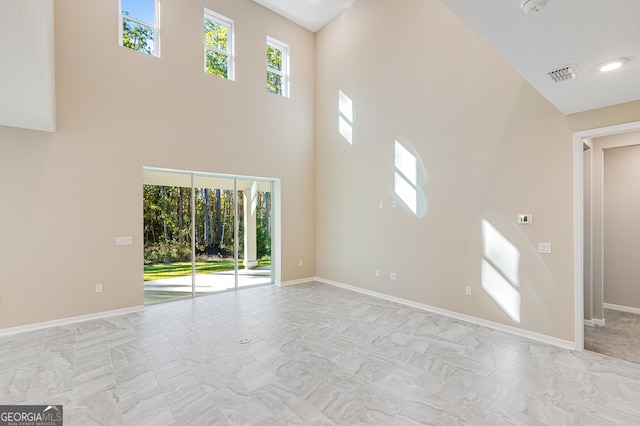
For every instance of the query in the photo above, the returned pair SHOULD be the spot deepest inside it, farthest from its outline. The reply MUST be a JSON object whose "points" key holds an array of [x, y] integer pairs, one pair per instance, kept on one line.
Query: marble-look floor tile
{"points": [[97, 409], [504, 414], [251, 372], [147, 408], [416, 416], [240, 409], [345, 398], [128, 361], [318, 355], [286, 405], [143, 383], [15, 383], [87, 360], [98, 379], [52, 380]]}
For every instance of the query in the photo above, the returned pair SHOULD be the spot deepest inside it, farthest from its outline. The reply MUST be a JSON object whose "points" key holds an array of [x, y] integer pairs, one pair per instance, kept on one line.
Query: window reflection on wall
{"points": [[345, 116], [500, 270], [409, 176]]}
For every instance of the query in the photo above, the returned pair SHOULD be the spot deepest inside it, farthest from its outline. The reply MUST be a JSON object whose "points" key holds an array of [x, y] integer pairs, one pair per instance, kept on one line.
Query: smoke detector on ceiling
{"points": [[533, 5]]}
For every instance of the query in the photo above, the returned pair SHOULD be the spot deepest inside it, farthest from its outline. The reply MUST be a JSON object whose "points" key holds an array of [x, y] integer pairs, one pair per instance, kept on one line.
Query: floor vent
{"points": [[568, 72]]}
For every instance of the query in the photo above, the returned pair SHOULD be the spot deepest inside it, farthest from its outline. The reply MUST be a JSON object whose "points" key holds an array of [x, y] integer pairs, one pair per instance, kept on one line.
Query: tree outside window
{"points": [[218, 45], [139, 29], [277, 67]]}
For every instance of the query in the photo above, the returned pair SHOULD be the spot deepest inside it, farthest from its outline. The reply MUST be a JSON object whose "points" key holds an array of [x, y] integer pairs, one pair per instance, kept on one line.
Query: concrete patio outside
{"points": [[169, 288]]}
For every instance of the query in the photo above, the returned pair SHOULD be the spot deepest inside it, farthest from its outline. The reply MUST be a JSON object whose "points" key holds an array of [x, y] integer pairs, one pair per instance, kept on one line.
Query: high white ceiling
{"points": [[311, 14], [584, 33]]}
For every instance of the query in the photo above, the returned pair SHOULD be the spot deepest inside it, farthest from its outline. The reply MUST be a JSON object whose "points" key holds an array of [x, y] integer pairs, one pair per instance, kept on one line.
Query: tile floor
{"points": [[318, 355]]}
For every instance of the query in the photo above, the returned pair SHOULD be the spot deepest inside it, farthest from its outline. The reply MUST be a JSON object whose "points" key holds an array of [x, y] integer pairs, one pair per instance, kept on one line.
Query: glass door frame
{"points": [[152, 175]]}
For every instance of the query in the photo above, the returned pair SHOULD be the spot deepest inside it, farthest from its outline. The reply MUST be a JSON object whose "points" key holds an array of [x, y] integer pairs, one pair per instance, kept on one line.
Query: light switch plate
{"points": [[124, 241], [544, 248]]}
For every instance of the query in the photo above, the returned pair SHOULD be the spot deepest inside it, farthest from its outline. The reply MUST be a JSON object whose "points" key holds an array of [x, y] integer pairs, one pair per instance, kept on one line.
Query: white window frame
{"points": [[284, 73], [230, 53], [155, 26]]}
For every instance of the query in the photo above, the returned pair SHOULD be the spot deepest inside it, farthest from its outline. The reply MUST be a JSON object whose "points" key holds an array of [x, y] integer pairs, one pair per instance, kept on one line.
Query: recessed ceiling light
{"points": [[612, 65]]}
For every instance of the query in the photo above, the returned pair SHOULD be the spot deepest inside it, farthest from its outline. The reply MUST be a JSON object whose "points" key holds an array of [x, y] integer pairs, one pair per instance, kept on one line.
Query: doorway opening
{"points": [[206, 233], [588, 227]]}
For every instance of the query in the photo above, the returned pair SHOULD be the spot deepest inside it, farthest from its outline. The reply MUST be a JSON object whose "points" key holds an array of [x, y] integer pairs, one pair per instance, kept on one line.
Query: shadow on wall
{"points": [[408, 178], [514, 279]]}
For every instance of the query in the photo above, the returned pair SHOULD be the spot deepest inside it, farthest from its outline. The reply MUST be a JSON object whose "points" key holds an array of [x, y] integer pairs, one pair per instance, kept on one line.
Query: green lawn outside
{"points": [[158, 271]]}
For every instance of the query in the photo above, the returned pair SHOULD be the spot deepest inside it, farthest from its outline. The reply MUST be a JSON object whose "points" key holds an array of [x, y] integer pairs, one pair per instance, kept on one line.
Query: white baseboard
{"points": [[295, 282], [70, 320], [594, 322], [566, 344], [621, 308]]}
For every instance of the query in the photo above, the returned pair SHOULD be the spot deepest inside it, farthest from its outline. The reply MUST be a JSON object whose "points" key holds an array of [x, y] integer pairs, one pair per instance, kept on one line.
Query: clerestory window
{"points": [[218, 45], [139, 26], [277, 67]]}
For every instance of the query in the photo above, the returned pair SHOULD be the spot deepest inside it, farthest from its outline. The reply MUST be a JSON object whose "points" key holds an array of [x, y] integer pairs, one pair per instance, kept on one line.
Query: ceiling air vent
{"points": [[565, 73]]}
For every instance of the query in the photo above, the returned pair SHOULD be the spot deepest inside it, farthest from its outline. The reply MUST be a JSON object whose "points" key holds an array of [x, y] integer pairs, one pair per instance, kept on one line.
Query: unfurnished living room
{"points": [[275, 212]]}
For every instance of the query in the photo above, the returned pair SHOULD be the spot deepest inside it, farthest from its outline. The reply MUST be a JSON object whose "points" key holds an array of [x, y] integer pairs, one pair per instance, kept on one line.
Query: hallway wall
{"points": [[622, 230]]}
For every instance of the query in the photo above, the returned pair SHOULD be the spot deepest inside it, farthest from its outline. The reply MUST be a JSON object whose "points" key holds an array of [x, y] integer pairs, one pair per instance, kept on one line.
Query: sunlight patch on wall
{"points": [[406, 163], [500, 270], [409, 174], [407, 193], [345, 116]]}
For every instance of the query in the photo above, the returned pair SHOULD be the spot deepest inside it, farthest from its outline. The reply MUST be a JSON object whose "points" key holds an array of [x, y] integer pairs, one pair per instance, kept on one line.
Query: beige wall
{"points": [[66, 196], [622, 230], [492, 148]]}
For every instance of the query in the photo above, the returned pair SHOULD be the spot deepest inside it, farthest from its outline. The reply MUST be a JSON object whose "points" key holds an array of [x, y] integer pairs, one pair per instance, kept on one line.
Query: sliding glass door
{"points": [[205, 233], [215, 234], [168, 250], [254, 233]]}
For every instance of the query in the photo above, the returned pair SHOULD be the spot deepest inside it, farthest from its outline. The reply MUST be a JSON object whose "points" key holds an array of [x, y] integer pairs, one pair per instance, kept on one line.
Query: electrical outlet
{"points": [[98, 288], [468, 290], [377, 273], [381, 205], [299, 262], [392, 275]]}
